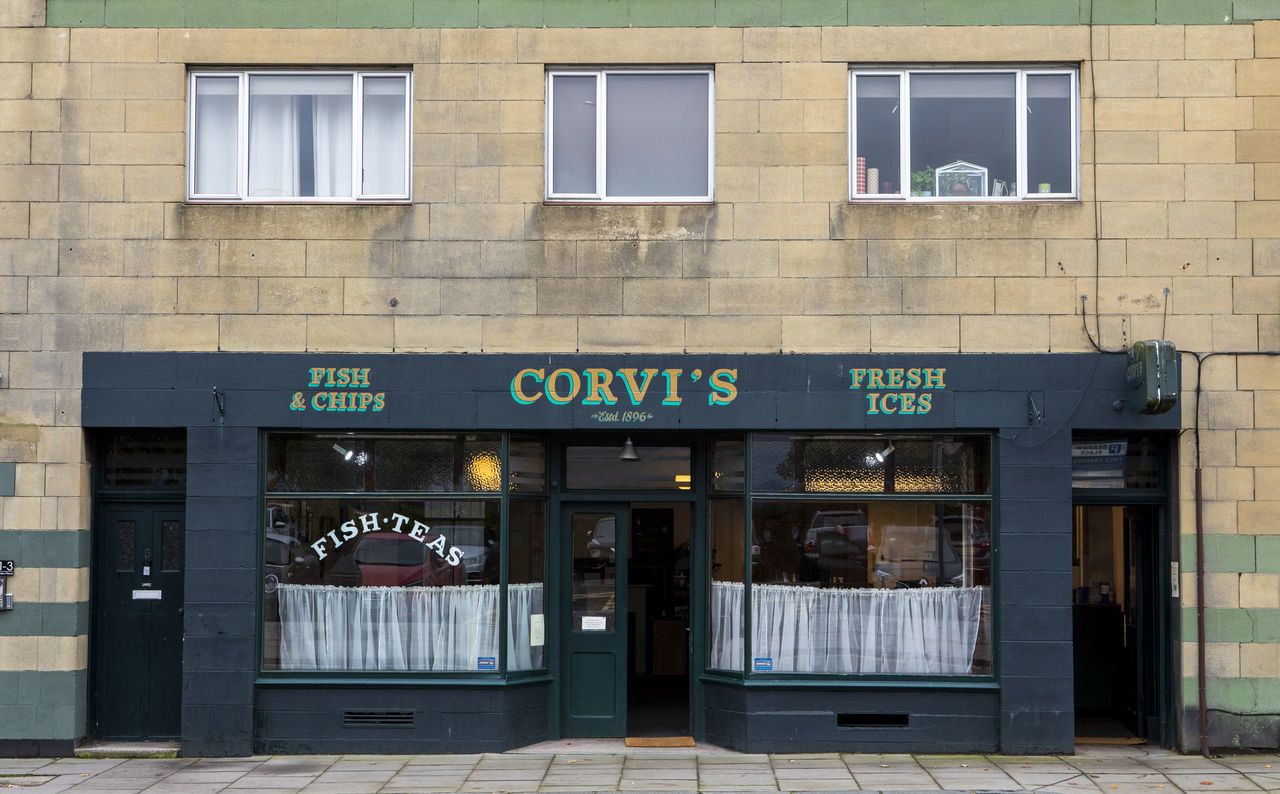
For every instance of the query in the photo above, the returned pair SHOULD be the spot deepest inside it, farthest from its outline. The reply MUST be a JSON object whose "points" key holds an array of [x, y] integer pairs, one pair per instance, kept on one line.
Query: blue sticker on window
{"points": [[486, 663], [763, 664]]}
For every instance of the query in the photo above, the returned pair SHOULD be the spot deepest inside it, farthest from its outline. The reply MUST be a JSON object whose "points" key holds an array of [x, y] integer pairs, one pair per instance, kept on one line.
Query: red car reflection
{"points": [[390, 559]]}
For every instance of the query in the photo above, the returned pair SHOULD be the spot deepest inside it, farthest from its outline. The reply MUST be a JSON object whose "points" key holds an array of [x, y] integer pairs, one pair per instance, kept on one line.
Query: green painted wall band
{"points": [[643, 13], [45, 620], [41, 548], [45, 704], [1233, 625], [8, 478]]}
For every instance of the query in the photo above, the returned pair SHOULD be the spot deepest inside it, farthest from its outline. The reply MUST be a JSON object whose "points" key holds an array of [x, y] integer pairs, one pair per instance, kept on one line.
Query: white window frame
{"points": [[599, 196], [904, 130], [242, 139]]}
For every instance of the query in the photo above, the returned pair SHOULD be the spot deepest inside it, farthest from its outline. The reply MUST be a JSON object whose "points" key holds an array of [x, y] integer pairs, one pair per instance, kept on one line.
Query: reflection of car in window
{"points": [[391, 559], [979, 535], [290, 562], [835, 548], [908, 556], [479, 549], [602, 543]]}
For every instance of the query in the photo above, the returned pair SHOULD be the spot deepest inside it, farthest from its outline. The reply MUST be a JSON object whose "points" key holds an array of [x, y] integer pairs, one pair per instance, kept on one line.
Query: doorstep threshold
{"points": [[660, 741], [128, 750]]}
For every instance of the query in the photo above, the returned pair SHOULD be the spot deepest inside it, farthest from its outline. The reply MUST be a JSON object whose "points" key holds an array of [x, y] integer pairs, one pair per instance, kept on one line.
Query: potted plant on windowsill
{"points": [[922, 181]]}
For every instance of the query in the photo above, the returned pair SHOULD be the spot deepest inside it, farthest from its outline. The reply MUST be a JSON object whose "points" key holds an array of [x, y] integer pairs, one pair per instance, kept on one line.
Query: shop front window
{"points": [[854, 577], [359, 576]]}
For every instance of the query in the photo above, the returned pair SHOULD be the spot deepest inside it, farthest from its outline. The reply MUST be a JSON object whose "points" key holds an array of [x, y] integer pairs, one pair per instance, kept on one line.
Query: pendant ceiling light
{"points": [[629, 451]]}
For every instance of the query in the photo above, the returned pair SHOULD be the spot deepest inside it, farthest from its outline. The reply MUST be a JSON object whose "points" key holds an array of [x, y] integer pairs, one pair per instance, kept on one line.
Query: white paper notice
{"points": [[537, 631], [594, 623], [147, 595]]}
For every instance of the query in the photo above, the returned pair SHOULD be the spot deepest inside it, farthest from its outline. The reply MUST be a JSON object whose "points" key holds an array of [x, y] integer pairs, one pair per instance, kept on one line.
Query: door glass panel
{"points": [[125, 540], [170, 546], [658, 469], [594, 571]]}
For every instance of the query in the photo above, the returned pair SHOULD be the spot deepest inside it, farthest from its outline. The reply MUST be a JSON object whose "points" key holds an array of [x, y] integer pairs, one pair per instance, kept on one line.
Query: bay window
{"points": [[971, 134], [316, 136]]}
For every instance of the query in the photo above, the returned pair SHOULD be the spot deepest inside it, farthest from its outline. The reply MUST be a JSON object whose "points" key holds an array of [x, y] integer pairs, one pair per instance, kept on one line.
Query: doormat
{"points": [[660, 741]]}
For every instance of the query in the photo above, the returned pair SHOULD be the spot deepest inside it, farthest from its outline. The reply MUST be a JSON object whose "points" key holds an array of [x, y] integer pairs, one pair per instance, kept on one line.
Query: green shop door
{"points": [[137, 639], [594, 606]]}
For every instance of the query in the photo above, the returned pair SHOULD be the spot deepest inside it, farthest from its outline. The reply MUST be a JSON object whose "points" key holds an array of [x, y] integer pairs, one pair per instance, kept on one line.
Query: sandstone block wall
{"points": [[1177, 236]]}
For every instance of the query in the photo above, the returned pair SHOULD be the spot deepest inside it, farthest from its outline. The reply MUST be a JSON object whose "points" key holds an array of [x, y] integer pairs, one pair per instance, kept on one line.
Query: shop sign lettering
{"points": [[898, 390], [345, 389], [627, 388], [372, 522]]}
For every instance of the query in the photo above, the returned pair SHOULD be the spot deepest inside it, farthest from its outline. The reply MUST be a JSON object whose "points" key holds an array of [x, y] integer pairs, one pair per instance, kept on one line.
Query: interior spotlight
{"points": [[884, 454], [629, 451], [343, 451]]}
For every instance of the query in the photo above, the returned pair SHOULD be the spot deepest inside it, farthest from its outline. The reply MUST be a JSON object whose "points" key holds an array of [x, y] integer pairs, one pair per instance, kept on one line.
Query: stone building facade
{"points": [[1176, 235]]}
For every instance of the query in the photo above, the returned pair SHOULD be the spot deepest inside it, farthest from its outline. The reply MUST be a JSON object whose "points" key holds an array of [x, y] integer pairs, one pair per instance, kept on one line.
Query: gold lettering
{"points": [[636, 391], [598, 390], [724, 387], [575, 385]]}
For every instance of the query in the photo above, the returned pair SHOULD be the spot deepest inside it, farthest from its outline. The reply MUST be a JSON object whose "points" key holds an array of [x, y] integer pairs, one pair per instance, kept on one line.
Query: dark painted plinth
{"points": [[309, 719], [782, 720], [37, 748]]}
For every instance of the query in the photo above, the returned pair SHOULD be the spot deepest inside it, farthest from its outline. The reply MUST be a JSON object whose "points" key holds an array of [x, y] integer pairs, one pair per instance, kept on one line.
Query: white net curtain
{"points": [[323, 627], [903, 631]]}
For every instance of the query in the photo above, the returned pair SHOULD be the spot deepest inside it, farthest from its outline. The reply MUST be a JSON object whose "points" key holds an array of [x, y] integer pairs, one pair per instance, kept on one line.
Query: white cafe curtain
{"points": [[323, 627], [921, 631]]}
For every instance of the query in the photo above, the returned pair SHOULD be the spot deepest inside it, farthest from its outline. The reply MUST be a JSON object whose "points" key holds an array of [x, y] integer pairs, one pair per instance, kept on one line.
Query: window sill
{"points": [[813, 681], [398, 680], [933, 202], [297, 203], [693, 202]]}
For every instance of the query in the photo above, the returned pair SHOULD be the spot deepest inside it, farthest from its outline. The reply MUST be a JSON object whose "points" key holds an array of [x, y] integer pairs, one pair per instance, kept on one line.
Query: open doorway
{"points": [[1115, 618], [658, 579]]}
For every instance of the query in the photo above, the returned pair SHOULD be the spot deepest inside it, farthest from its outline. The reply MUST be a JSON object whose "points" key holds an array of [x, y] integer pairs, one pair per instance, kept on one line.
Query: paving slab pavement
{"points": [[575, 766]]}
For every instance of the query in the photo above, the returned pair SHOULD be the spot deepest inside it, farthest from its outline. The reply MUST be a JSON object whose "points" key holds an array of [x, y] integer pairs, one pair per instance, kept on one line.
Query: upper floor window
{"points": [[317, 136], [639, 136], [972, 134]]}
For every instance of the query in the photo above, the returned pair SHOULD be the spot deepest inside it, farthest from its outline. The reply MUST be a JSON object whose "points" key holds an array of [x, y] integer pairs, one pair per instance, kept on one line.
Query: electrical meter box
{"points": [[1153, 376]]}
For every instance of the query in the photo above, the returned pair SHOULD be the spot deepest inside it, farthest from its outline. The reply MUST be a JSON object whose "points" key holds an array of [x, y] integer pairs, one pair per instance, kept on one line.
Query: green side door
{"points": [[595, 623], [137, 658]]}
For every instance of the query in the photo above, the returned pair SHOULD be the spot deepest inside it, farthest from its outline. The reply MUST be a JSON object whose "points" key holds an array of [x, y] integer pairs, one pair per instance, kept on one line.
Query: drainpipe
{"points": [[1201, 675]]}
